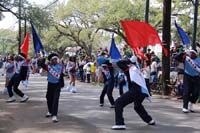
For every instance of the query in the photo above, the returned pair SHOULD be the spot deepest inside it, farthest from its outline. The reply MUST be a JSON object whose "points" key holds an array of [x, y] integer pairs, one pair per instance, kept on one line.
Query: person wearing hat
{"points": [[108, 75], [134, 94], [21, 69], [190, 80], [55, 82]]}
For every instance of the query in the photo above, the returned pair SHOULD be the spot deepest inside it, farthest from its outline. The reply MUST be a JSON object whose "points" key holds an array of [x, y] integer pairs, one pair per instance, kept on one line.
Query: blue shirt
{"points": [[9, 70], [59, 69], [100, 60], [188, 68]]}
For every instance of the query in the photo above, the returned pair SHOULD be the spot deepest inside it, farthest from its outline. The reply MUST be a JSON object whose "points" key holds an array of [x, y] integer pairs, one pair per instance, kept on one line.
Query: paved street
{"points": [[80, 113]]}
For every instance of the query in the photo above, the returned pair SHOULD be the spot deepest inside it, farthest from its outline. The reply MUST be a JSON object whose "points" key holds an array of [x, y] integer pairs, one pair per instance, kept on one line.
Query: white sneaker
{"points": [[152, 123], [68, 88], [24, 98], [5, 91], [73, 89], [25, 83], [119, 127], [48, 115], [185, 110], [11, 99], [190, 106], [54, 119]]}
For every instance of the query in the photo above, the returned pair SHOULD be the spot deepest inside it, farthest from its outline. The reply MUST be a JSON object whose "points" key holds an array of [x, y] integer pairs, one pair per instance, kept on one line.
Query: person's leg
{"points": [[73, 89], [139, 108], [103, 93], [185, 92], [87, 75], [10, 85], [195, 90], [81, 75], [56, 97], [16, 85], [120, 89], [110, 91], [6, 82], [49, 97], [89, 78], [148, 86], [120, 103]]}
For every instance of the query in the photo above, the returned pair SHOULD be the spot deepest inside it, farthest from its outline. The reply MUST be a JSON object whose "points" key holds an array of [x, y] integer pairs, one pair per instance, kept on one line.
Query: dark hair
{"points": [[72, 58], [148, 63], [11, 58]]}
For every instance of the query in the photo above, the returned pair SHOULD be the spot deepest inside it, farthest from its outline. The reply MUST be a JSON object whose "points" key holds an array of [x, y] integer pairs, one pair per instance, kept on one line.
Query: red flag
{"points": [[25, 45], [139, 53], [141, 34]]}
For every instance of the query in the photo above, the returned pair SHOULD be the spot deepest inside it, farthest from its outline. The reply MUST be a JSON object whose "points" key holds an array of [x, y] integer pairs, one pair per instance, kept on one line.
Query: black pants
{"points": [[121, 89], [107, 89], [191, 89], [88, 77], [53, 94], [82, 75], [133, 95], [13, 85], [148, 86]]}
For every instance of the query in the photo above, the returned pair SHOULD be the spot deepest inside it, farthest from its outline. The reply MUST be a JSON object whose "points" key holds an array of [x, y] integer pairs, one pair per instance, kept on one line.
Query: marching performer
{"points": [[9, 72], [109, 80], [55, 82], [21, 69], [191, 79], [136, 93]]}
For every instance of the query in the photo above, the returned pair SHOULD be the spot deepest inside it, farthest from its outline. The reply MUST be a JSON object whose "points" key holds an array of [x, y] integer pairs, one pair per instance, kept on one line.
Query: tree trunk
{"points": [[166, 37]]}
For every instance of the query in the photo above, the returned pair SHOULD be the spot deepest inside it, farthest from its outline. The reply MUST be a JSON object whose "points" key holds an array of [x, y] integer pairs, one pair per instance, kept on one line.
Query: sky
{"points": [[10, 21]]}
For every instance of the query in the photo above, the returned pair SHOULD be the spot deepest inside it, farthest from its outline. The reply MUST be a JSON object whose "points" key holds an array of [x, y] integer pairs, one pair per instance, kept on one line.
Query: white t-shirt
{"points": [[146, 72], [154, 66]]}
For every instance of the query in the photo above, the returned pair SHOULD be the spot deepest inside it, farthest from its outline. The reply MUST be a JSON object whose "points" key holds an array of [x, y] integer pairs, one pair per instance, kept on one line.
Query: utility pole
{"points": [[146, 19], [20, 30], [196, 4], [147, 11], [24, 22], [166, 37]]}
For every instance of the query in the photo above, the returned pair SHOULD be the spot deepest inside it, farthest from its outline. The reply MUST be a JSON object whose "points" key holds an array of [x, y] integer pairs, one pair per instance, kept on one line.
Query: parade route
{"points": [[80, 113]]}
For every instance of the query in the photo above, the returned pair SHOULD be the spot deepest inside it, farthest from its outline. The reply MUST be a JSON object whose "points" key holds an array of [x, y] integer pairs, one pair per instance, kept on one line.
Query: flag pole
{"points": [[20, 30]]}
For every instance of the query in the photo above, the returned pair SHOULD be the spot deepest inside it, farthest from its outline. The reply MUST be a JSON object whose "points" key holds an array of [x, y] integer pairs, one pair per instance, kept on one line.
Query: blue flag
{"points": [[184, 37], [36, 40], [114, 52]]}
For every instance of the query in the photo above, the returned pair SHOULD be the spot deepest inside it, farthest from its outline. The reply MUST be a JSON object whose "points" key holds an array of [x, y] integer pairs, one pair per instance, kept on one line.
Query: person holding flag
{"points": [[136, 93], [55, 83]]}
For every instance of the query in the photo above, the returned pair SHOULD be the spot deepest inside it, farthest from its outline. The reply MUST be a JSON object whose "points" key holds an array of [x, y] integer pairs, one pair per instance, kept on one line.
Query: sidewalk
{"points": [[80, 113]]}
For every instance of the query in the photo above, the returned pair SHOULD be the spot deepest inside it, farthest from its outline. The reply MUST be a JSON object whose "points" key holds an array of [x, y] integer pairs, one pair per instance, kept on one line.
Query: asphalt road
{"points": [[80, 113]]}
